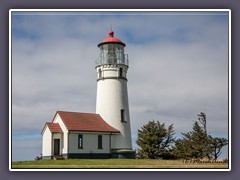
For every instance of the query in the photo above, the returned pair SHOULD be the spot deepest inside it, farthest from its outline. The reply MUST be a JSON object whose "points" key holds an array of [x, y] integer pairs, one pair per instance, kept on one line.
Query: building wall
{"points": [[47, 143], [112, 96], [108, 71], [57, 136], [64, 144], [90, 143]]}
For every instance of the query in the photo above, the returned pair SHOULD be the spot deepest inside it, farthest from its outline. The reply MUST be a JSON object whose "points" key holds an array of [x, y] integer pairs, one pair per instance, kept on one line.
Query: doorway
{"points": [[56, 146]]}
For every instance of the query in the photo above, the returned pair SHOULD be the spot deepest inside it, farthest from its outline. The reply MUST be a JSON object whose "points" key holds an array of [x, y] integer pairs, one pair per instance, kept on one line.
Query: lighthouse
{"points": [[106, 133], [112, 95]]}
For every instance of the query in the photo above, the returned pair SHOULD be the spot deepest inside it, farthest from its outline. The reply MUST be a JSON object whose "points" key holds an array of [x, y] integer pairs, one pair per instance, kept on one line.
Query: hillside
{"points": [[115, 163]]}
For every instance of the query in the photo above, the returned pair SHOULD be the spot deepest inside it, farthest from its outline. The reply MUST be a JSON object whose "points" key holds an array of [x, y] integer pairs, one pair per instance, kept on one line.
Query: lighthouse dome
{"points": [[111, 39]]}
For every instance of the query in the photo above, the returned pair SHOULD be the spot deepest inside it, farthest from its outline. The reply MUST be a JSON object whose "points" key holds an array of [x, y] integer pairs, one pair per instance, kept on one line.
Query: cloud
{"points": [[178, 68], [177, 82]]}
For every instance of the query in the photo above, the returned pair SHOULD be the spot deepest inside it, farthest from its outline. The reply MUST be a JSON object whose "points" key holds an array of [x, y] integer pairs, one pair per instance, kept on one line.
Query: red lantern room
{"points": [[112, 51], [111, 39]]}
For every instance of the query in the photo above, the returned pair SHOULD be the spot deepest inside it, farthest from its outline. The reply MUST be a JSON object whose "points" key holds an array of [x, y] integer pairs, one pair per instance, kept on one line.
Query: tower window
{"points": [[121, 72], [100, 73], [123, 116], [99, 141], [80, 141]]}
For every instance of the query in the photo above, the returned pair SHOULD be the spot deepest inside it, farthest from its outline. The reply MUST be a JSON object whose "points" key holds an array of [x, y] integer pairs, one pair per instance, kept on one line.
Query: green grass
{"points": [[113, 163]]}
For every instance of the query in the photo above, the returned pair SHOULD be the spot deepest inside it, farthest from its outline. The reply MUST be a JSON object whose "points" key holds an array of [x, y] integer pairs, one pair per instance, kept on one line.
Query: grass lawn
{"points": [[113, 163]]}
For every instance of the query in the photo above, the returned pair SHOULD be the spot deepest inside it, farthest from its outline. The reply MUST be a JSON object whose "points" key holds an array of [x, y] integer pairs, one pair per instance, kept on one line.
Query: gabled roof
{"points": [[76, 121], [53, 127]]}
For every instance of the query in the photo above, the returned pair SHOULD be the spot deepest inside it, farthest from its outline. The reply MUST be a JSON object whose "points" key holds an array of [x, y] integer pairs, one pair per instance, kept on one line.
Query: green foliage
{"points": [[194, 144], [155, 140], [197, 143], [203, 121], [216, 145]]}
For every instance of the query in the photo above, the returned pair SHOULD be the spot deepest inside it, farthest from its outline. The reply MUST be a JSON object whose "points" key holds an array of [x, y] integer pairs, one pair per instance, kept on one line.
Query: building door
{"points": [[56, 146]]}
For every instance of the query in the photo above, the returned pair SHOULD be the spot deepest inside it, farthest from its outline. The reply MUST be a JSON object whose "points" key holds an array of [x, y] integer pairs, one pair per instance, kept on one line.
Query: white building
{"points": [[105, 134]]}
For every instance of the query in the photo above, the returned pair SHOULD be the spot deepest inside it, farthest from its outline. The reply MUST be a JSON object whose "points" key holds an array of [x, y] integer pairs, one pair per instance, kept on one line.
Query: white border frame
{"points": [[118, 10]]}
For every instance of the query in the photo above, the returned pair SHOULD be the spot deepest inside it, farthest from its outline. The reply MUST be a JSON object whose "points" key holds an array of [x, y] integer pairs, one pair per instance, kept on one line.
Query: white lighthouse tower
{"points": [[112, 94]]}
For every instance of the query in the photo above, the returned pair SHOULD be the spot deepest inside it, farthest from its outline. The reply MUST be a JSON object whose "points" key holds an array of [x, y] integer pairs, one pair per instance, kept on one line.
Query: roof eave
{"points": [[111, 132], [111, 43]]}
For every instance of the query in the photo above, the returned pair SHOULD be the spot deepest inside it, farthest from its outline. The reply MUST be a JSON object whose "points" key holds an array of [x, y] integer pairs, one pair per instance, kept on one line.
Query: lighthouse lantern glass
{"points": [[112, 54]]}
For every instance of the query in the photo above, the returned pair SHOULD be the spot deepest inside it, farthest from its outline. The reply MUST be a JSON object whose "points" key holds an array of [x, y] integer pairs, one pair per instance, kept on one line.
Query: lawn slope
{"points": [[113, 163]]}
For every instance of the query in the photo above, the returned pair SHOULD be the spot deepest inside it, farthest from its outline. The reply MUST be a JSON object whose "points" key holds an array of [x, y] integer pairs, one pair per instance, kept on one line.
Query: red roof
{"points": [[75, 121], [54, 127], [111, 39]]}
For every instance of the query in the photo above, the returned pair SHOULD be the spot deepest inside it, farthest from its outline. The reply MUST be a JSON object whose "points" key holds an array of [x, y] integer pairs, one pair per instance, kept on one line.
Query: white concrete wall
{"points": [[47, 143], [111, 71], [90, 143], [112, 96], [64, 141]]}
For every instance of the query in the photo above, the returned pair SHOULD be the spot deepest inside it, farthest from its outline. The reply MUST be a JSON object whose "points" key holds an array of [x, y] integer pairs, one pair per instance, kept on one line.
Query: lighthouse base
{"points": [[119, 154], [124, 154]]}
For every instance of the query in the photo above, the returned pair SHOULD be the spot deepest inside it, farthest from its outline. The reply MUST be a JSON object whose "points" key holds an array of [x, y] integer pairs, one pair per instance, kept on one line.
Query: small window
{"points": [[99, 141], [100, 73], [121, 72], [123, 116], [80, 141]]}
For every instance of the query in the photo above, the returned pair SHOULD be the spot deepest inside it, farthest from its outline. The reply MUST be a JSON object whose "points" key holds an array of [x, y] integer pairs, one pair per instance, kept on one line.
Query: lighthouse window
{"points": [[123, 116], [121, 72], [100, 73], [112, 59], [80, 141]]}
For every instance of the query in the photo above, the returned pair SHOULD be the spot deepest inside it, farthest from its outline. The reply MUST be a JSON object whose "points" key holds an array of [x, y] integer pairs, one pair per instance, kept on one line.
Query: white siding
{"points": [[64, 140], [69, 141], [47, 142], [90, 143]]}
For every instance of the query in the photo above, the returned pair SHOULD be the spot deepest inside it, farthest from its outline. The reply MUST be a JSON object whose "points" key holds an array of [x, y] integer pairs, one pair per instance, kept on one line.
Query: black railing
{"points": [[109, 60]]}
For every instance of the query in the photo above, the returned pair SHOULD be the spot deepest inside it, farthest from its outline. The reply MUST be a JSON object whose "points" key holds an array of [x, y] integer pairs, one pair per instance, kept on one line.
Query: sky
{"points": [[178, 67]]}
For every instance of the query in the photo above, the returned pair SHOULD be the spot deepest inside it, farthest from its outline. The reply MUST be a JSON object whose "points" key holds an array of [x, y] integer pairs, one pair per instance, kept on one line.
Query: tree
{"points": [[183, 148], [197, 143], [194, 144], [203, 121], [216, 145], [155, 140]]}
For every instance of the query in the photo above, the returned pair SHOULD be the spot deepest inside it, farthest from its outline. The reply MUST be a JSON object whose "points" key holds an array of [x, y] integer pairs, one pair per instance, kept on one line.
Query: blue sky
{"points": [[178, 68]]}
